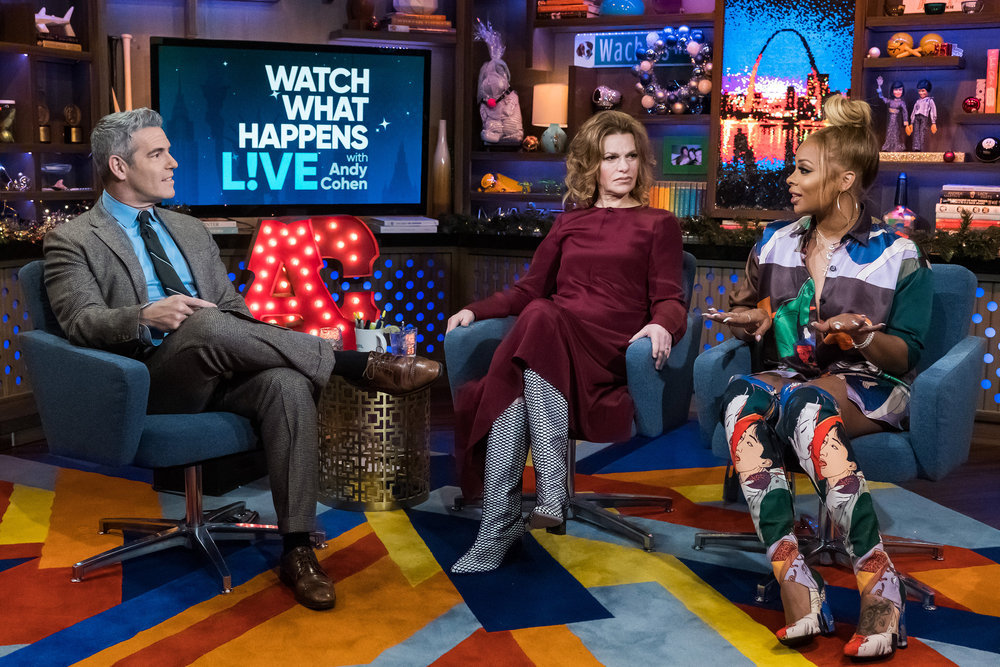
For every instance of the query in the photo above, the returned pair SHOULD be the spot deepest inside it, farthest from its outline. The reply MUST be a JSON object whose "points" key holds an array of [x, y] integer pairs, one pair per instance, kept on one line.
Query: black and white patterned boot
{"points": [[502, 526], [548, 426]]}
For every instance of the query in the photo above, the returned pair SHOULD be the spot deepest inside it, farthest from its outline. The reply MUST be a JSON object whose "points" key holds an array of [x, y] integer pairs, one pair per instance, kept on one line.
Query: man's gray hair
{"points": [[113, 136]]}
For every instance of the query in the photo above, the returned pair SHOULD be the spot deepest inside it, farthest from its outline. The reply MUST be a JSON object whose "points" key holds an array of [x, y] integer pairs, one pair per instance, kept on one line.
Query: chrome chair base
{"points": [[198, 530], [593, 507]]}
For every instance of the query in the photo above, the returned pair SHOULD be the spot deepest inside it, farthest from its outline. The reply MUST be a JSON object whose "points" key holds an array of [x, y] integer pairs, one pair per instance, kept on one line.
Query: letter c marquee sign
{"points": [[285, 261]]}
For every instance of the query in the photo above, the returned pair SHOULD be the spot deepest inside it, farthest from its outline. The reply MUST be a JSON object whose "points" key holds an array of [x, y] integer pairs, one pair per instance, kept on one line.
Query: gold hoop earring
{"points": [[854, 204]]}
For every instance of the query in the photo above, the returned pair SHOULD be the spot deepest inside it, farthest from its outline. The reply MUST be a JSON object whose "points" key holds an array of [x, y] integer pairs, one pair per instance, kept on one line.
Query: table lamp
{"points": [[548, 109]]}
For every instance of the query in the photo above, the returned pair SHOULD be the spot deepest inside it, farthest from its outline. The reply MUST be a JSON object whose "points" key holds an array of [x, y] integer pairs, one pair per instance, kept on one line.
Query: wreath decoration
{"points": [[674, 46]]}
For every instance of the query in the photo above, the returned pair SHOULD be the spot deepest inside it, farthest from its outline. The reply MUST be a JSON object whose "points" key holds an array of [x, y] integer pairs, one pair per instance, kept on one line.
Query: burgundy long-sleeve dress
{"points": [[599, 276]]}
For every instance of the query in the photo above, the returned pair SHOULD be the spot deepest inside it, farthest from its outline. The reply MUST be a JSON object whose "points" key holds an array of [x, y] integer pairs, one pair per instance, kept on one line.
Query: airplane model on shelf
{"points": [[61, 23]]}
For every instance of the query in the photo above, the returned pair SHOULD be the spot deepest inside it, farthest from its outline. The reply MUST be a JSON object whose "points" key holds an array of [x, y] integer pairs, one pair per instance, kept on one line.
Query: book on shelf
{"points": [[947, 210], [221, 226], [949, 224], [682, 198], [395, 27], [968, 201], [992, 62], [565, 6], [981, 95], [949, 191], [59, 44], [575, 14], [400, 220], [415, 229], [414, 20]]}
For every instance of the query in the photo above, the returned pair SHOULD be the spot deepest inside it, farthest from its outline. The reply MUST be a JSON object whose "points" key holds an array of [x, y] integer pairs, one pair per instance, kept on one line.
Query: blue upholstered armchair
{"points": [[662, 399], [92, 406], [942, 408]]}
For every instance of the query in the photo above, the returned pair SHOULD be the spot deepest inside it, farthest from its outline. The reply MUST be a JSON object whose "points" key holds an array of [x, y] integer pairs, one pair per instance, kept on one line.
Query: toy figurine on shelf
{"points": [[898, 120], [924, 116]]}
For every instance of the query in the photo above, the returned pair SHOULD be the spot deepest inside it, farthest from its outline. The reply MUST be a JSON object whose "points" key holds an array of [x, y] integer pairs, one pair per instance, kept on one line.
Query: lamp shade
{"points": [[548, 104]]}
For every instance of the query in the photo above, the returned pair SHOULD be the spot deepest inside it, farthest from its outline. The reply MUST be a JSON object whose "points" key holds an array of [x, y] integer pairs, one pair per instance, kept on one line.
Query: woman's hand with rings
{"points": [[661, 339], [754, 320], [855, 325], [462, 318]]}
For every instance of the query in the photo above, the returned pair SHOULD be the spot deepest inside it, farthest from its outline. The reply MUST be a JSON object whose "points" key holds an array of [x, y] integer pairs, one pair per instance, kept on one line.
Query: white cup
{"points": [[370, 340]]}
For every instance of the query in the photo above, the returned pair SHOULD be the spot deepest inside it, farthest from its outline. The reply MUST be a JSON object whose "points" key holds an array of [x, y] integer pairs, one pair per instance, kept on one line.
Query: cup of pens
{"points": [[369, 335]]}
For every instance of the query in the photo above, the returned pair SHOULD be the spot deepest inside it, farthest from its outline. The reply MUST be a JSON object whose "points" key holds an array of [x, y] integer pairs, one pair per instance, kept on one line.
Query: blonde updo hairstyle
{"points": [[847, 143], [586, 151]]}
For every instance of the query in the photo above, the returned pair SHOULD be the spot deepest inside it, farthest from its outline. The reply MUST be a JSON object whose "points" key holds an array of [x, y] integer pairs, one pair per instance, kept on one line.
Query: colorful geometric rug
{"points": [[584, 598]]}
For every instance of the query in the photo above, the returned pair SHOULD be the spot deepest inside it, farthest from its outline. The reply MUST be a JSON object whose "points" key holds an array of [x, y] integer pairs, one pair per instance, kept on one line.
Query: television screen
{"points": [[262, 129]]}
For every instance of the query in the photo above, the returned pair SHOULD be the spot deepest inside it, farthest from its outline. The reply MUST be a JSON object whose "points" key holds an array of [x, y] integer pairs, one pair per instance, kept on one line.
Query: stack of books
{"points": [[682, 198], [405, 22], [221, 225], [567, 9], [401, 224], [982, 201]]}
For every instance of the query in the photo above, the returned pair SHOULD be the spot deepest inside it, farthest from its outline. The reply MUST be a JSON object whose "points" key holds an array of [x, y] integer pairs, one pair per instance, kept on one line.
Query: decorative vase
{"points": [[554, 139], [441, 173]]}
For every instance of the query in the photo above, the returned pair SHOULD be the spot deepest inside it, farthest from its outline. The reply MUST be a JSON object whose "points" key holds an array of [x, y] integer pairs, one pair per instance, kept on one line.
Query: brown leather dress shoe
{"points": [[301, 572], [398, 375]]}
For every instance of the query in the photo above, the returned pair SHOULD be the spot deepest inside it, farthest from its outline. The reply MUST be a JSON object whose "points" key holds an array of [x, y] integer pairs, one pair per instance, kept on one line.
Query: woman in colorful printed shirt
{"points": [[840, 304]]}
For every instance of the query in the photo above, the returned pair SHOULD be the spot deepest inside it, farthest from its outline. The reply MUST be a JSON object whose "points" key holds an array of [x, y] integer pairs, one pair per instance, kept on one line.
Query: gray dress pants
{"points": [[226, 361]]}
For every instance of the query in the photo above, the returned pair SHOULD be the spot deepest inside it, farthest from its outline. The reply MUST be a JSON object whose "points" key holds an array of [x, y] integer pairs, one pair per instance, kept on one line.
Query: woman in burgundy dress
{"points": [[608, 273]]}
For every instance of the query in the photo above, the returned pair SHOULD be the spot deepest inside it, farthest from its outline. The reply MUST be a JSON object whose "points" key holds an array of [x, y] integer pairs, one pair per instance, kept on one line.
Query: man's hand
{"points": [[661, 339], [753, 321], [168, 314], [462, 318]]}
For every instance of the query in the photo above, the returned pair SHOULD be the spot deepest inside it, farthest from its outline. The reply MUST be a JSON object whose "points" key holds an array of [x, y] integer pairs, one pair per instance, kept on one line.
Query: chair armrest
{"points": [[662, 398], [712, 370], [468, 351], [92, 403], [943, 408]]}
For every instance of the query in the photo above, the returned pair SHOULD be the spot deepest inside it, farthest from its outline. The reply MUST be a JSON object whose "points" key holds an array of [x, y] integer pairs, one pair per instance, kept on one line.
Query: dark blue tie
{"points": [[165, 271]]}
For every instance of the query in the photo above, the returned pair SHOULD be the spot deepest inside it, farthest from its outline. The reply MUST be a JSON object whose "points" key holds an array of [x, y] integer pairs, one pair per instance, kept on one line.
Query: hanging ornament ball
{"points": [[660, 108], [874, 52], [649, 89], [651, 39], [693, 48], [660, 94], [708, 67], [706, 50], [660, 44], [970, 104], [683, 30], [949, 156], [699, 59], [682, 41], [698, 72], [645, 66], [697, 35], [530, 143], [678, 107], [671, 98], [668, 30], [644, 77], [671, 41], [648, 102], [705, 86], [639, 86]]}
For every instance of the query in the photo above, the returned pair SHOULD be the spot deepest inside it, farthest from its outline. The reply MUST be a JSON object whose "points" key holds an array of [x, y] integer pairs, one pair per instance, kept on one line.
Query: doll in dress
{"points": [[899, 119]]}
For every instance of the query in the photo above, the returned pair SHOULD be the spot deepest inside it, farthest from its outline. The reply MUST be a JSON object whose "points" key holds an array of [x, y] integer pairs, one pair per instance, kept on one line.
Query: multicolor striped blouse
{"points": [[874, 271]]}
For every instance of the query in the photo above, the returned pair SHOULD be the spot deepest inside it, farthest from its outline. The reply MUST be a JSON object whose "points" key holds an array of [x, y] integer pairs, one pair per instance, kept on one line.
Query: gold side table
{"points": [[374, 448]]}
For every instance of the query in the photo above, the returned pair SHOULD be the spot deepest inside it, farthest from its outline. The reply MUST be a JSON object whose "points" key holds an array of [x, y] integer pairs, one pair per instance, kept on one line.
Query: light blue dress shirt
{"points": [[128, 218]]}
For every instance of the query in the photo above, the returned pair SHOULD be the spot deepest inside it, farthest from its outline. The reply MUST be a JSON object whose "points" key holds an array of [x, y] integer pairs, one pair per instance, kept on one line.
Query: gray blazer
{"points": [[96, 285]]}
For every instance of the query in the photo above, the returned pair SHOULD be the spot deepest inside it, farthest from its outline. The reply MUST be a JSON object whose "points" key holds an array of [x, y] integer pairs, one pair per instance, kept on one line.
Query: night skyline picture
{"points": [[780, 60]]}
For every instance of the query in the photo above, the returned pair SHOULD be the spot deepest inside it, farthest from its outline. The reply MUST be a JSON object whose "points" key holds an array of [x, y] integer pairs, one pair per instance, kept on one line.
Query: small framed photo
{"points": [[684, 155]]}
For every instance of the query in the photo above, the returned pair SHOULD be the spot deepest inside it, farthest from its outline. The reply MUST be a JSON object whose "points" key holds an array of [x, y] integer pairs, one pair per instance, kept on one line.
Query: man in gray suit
{"points": [[139, 280]]}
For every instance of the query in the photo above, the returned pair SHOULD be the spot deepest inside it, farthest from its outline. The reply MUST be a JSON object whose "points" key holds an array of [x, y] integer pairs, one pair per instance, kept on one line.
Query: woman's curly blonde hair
{"points": [[586, 150]]}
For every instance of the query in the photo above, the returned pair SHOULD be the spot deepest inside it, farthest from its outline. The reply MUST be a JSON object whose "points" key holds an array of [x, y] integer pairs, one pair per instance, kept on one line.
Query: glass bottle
{"points": [[901, 218], [441, 173]]}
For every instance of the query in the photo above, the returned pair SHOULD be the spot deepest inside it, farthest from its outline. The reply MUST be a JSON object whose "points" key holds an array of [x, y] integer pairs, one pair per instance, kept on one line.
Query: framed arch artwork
{"points": [[780, 60]]}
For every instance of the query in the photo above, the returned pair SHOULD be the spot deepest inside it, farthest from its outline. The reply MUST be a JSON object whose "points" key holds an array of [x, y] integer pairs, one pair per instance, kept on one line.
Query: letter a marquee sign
{"points": [[286, 259]]}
